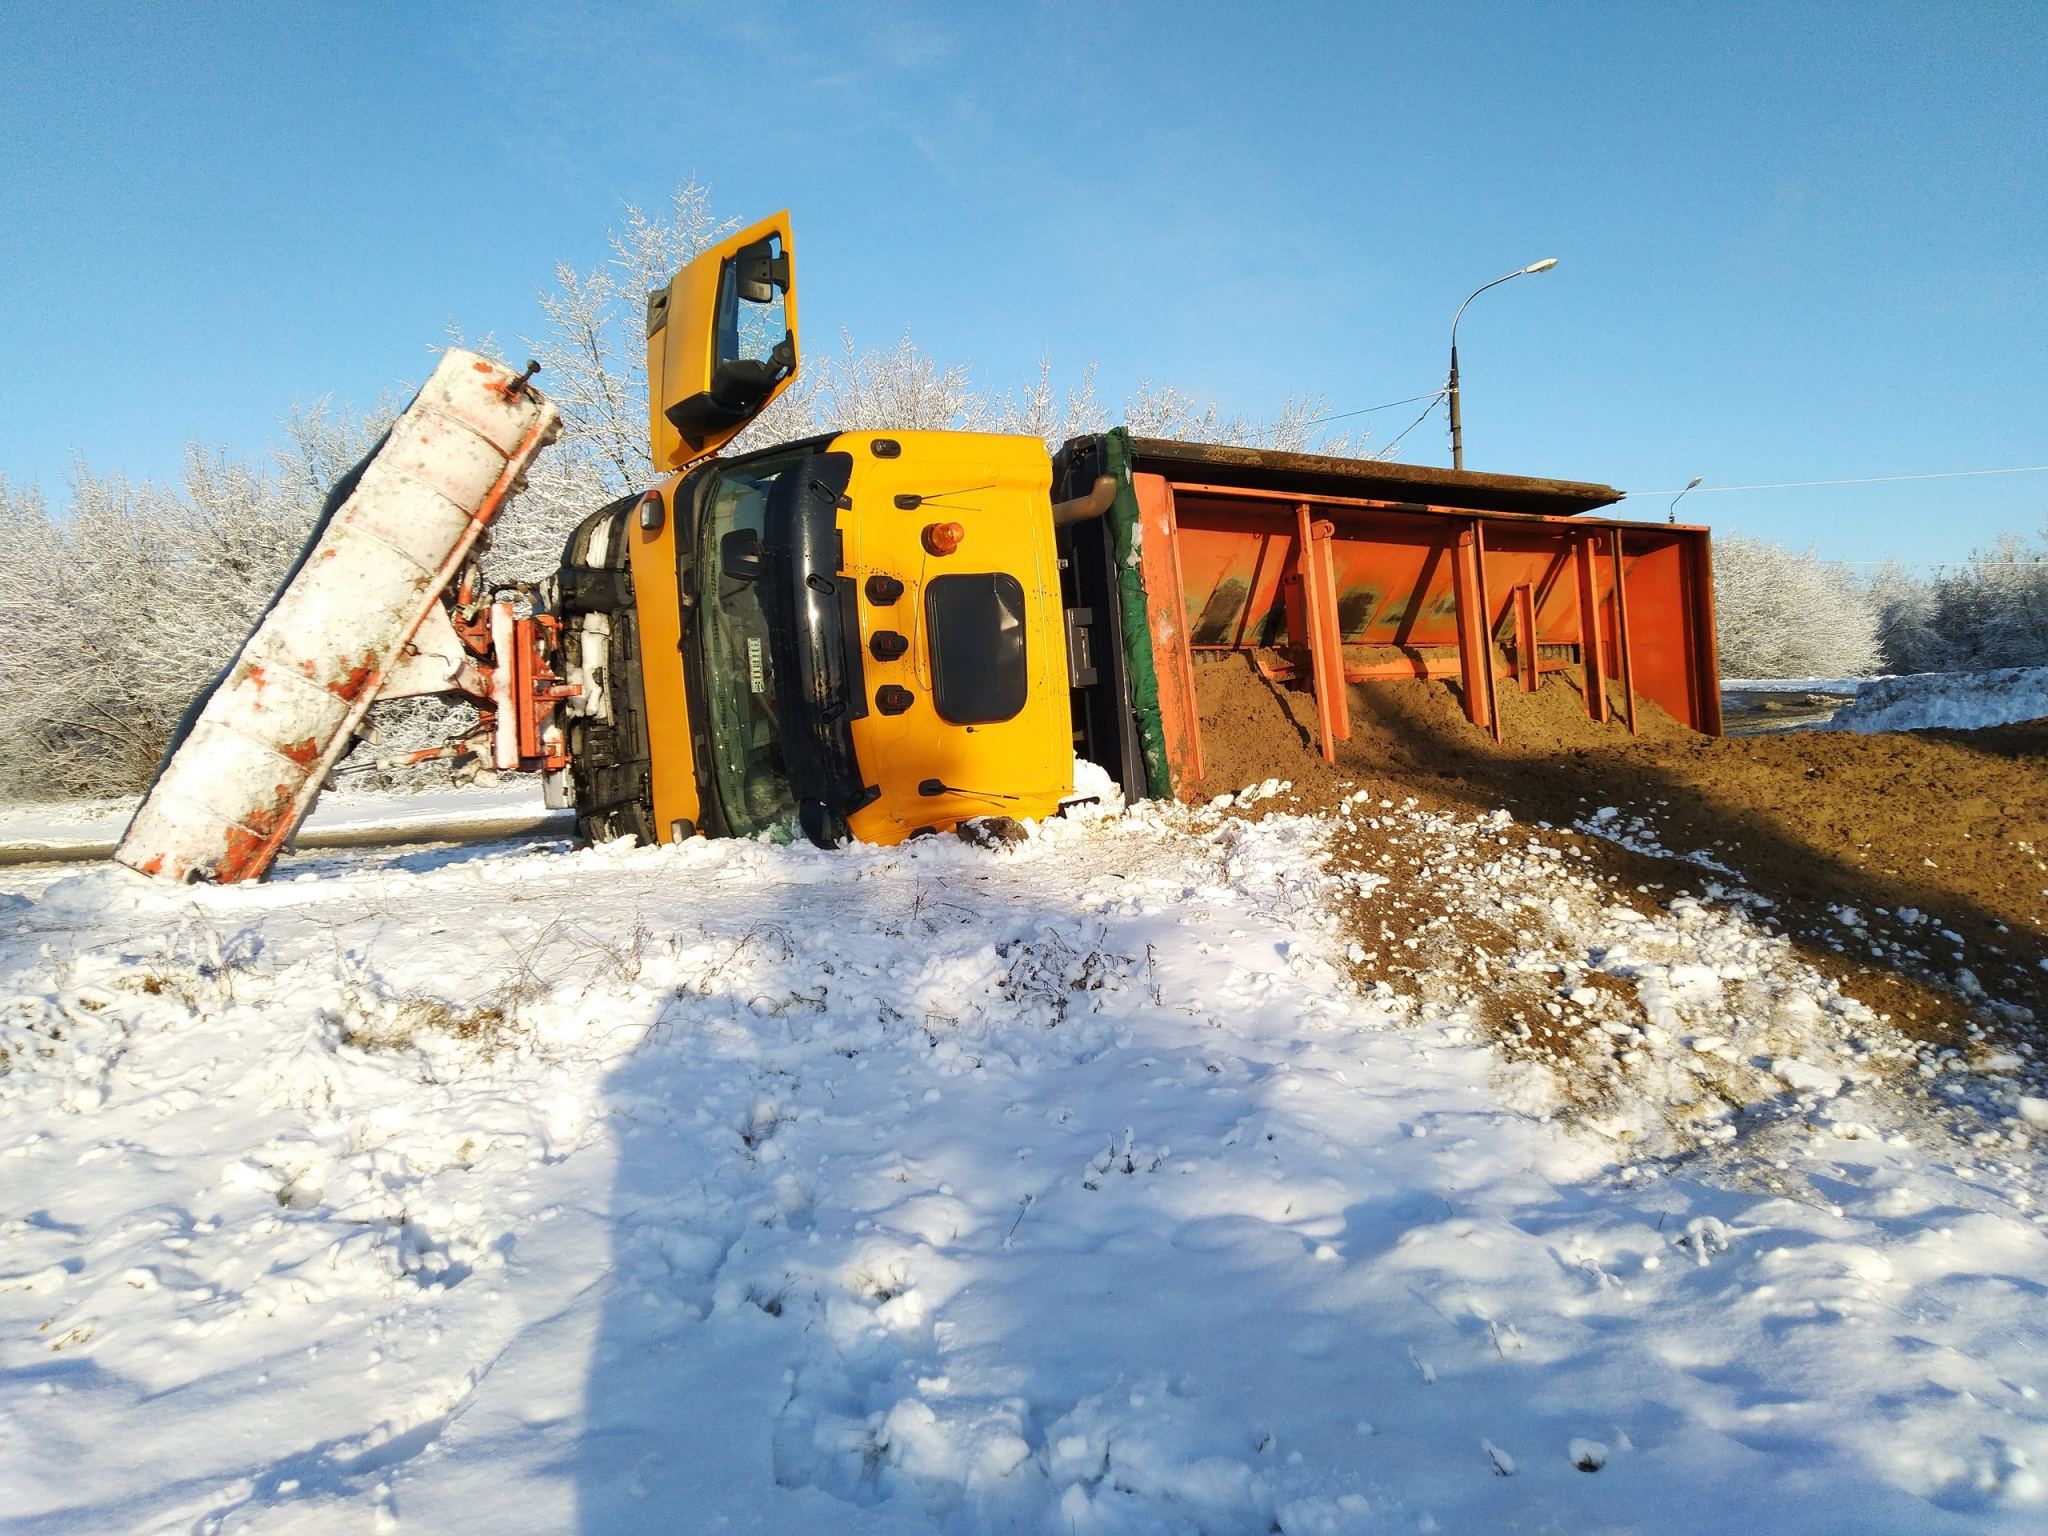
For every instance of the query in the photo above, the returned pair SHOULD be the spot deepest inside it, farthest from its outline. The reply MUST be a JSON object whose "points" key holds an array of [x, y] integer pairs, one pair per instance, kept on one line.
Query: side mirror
{"points": [[761, 271], [722, 343], [739, 388], [739, 555]]}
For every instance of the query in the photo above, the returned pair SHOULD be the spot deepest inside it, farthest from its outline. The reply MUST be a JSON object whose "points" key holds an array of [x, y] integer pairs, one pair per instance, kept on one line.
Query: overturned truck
{"points": [[878, 635]]}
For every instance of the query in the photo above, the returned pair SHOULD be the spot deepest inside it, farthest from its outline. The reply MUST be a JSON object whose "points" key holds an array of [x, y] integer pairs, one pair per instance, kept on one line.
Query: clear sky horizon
{"points": [[1795, 242]]}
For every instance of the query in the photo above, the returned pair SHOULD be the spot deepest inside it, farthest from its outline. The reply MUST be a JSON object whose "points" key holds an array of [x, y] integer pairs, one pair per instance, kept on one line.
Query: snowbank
{"points": [[1963, 701], [1094, 1185]]}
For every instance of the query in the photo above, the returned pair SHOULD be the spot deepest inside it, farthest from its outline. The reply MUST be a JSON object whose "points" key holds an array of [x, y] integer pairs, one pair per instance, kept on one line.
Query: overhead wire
{"points": [[1427, 412], [1314, 421], [1434, 397], [1933, 565], [1790, 485]]}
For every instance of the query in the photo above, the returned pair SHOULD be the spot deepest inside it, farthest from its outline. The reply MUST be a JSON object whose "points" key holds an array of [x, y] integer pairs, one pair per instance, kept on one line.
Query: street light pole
{"points": [[1457, 422], [1671, 513], [1457, 419]]}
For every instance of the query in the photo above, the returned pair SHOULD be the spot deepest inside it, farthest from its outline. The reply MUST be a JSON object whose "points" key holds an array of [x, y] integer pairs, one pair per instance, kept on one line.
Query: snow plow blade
{"points": [[242, 775]]}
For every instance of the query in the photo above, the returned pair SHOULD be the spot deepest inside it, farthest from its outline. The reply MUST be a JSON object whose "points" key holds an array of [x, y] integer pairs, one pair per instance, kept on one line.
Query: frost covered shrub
{"points": [[121, 609], [1782, 614], [1990, 612], [128, 604]]}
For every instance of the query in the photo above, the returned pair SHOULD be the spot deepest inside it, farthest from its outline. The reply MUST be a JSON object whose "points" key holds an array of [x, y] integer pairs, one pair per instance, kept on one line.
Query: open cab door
{"points": [[721, 342]]}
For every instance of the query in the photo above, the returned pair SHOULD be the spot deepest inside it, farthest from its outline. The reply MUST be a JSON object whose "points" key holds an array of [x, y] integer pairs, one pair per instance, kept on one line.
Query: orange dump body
{"points": [[1337, 572]]}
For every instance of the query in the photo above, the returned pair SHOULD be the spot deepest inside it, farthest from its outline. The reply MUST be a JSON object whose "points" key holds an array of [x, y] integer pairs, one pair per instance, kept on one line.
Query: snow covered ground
{"points": [[1102, 1183]]}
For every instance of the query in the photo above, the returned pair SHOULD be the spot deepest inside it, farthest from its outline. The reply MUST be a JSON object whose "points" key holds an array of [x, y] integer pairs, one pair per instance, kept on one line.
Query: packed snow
{"points": [[1099, 1182], [1961, 701]]}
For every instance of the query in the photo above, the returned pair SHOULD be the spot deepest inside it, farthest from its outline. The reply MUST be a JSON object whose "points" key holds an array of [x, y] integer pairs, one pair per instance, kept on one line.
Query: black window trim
{"points": [[813, 612]]}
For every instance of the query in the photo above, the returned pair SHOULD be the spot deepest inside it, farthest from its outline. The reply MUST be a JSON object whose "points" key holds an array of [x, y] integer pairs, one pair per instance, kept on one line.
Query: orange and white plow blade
{"points": [[236, 788]]}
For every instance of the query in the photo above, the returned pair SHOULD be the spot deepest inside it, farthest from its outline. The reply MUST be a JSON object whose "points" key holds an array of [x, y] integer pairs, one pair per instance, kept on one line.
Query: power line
{"points": [[1789, 485], [1427, 412], [1368, 410]]}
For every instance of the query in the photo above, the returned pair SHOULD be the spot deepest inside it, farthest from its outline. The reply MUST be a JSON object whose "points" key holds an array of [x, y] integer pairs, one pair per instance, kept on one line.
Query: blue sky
{"points": [[1795, 243]]}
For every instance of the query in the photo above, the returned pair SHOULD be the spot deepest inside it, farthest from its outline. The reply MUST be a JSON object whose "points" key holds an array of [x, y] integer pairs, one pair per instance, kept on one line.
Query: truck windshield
{"points": [[746, 730]]}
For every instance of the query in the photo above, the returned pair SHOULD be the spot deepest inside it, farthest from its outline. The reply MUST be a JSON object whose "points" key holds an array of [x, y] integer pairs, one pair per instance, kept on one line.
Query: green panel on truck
{"points": [[1144, 679]]}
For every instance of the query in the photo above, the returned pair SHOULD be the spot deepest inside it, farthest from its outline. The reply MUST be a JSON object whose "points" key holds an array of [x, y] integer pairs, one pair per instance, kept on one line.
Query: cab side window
{"points": [[976, 625]]}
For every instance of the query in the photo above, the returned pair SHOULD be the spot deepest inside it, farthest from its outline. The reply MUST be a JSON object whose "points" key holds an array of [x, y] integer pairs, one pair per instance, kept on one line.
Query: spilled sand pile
{"points": [[1913, 869]]}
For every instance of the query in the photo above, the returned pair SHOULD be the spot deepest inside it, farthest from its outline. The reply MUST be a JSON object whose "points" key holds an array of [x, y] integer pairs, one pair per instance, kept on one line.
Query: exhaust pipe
{"points": [[1081, 508]]}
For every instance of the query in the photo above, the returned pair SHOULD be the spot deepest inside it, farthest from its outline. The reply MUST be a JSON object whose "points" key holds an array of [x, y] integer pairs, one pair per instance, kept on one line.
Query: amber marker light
{"points": [[943, 538]]}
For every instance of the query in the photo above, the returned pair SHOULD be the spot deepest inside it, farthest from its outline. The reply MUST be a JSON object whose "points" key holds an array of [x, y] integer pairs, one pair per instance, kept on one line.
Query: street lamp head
{"points": [[1541, 266]]}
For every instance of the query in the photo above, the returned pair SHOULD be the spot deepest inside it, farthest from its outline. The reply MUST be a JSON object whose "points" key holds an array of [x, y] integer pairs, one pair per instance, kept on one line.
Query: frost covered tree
{"points": [[1166, 411], [1907, 621], [1043, 411], [593, 366], [1787, 614], [123, 607], [903, 388], [593, 358], [1990, 612], [900, 388], [594, 355]]}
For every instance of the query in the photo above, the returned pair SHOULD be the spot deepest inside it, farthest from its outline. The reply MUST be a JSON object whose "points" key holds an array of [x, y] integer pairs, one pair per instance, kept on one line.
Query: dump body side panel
{"points": [[1322, 567]]}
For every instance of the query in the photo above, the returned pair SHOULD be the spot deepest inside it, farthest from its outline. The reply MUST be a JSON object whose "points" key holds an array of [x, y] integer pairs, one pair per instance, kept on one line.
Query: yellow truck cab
{"points": [[859, 635]]}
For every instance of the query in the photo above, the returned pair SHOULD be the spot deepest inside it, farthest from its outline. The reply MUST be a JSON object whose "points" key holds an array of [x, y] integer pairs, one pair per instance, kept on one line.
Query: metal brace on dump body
{"points": [[1592, 648], [1474, 641], [1628, 676], [1311, 591]]}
